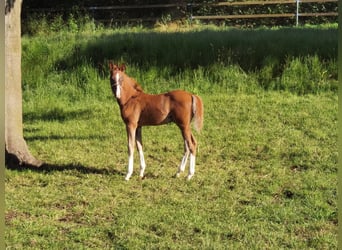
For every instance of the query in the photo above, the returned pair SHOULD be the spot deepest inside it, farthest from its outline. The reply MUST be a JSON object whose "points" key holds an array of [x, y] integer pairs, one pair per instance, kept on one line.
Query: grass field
{"points": [[266, 171]]}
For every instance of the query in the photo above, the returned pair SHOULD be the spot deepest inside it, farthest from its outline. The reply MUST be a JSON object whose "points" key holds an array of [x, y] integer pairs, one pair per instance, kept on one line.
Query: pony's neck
{"points": [[130, 89]]}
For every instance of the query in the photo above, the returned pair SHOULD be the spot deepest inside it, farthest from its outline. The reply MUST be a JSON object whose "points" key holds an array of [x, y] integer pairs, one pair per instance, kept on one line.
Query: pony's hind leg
{"points": [[190, 148], [184, 160], [141, 153], [192, 158]]}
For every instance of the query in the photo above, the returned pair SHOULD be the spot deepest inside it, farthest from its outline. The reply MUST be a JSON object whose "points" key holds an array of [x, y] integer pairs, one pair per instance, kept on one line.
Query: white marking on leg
{"points": [[131, 139], [118, 86], [184, 160], [142, 159], [192, 166], [130, 166]]}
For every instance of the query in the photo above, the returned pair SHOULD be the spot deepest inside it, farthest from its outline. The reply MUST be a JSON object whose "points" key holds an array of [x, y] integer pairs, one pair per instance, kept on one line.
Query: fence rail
{"points": [[270, 2], [122, 7], [296, 15], [188, 7]]}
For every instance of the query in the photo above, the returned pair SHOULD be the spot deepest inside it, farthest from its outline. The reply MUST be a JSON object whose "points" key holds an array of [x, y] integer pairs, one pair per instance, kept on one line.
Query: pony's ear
{"points": [[123, 67], [111, 65]]}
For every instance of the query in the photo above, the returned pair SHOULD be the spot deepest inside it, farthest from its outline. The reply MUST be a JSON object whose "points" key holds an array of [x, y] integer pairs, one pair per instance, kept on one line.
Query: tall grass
{"points": [[299, 60]]}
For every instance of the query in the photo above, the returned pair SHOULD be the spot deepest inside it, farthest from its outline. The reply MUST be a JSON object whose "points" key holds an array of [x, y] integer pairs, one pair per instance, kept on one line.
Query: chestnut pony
{"points": [[140, 109]]}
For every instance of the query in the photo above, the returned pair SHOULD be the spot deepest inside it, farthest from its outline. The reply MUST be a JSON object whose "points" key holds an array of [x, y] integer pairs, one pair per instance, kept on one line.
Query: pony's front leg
{"points": [[131, 138], [141, 153]]}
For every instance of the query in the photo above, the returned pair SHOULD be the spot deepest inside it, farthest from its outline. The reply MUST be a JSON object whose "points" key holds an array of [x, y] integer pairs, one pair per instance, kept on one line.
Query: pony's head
{"points": [[116, 78], [120, 82]]}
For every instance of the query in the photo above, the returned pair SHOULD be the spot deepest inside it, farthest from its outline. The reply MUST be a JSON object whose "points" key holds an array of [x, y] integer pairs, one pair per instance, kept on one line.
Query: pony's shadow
{"points": [[50, 167]]}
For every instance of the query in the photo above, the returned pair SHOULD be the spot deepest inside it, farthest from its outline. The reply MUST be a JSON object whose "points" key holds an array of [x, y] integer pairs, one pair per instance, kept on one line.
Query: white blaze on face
{"points": [[118, 86]]}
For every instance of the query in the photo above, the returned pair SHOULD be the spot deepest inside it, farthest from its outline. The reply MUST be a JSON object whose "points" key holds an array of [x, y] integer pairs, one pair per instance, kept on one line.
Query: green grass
{"points": [[266, 178], [299, 60], [266, 170]]}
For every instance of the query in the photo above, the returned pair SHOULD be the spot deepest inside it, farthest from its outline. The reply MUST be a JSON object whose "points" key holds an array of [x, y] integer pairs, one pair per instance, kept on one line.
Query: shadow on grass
{"points": [[60, 137], [58, 114], [250, 49], [12, 163]]}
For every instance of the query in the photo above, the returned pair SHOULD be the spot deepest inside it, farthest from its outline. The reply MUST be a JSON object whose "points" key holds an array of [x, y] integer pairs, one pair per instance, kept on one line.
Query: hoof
{"points": [[188, 178]]}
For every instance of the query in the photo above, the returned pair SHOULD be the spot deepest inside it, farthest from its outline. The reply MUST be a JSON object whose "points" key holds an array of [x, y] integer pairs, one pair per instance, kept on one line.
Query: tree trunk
{"points": [[16, 149]]}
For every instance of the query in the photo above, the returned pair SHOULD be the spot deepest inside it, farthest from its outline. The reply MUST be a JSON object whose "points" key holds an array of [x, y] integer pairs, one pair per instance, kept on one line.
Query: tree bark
{"points": [[17, 151]]}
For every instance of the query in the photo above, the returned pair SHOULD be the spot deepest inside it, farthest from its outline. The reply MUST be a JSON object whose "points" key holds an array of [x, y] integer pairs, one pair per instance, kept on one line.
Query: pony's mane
{"points": [[138, 87], [135, 84]]}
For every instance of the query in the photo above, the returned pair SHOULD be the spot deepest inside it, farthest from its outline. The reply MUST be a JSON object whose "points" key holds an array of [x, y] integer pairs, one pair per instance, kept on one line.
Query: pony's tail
{"points": [[197, 111]]}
